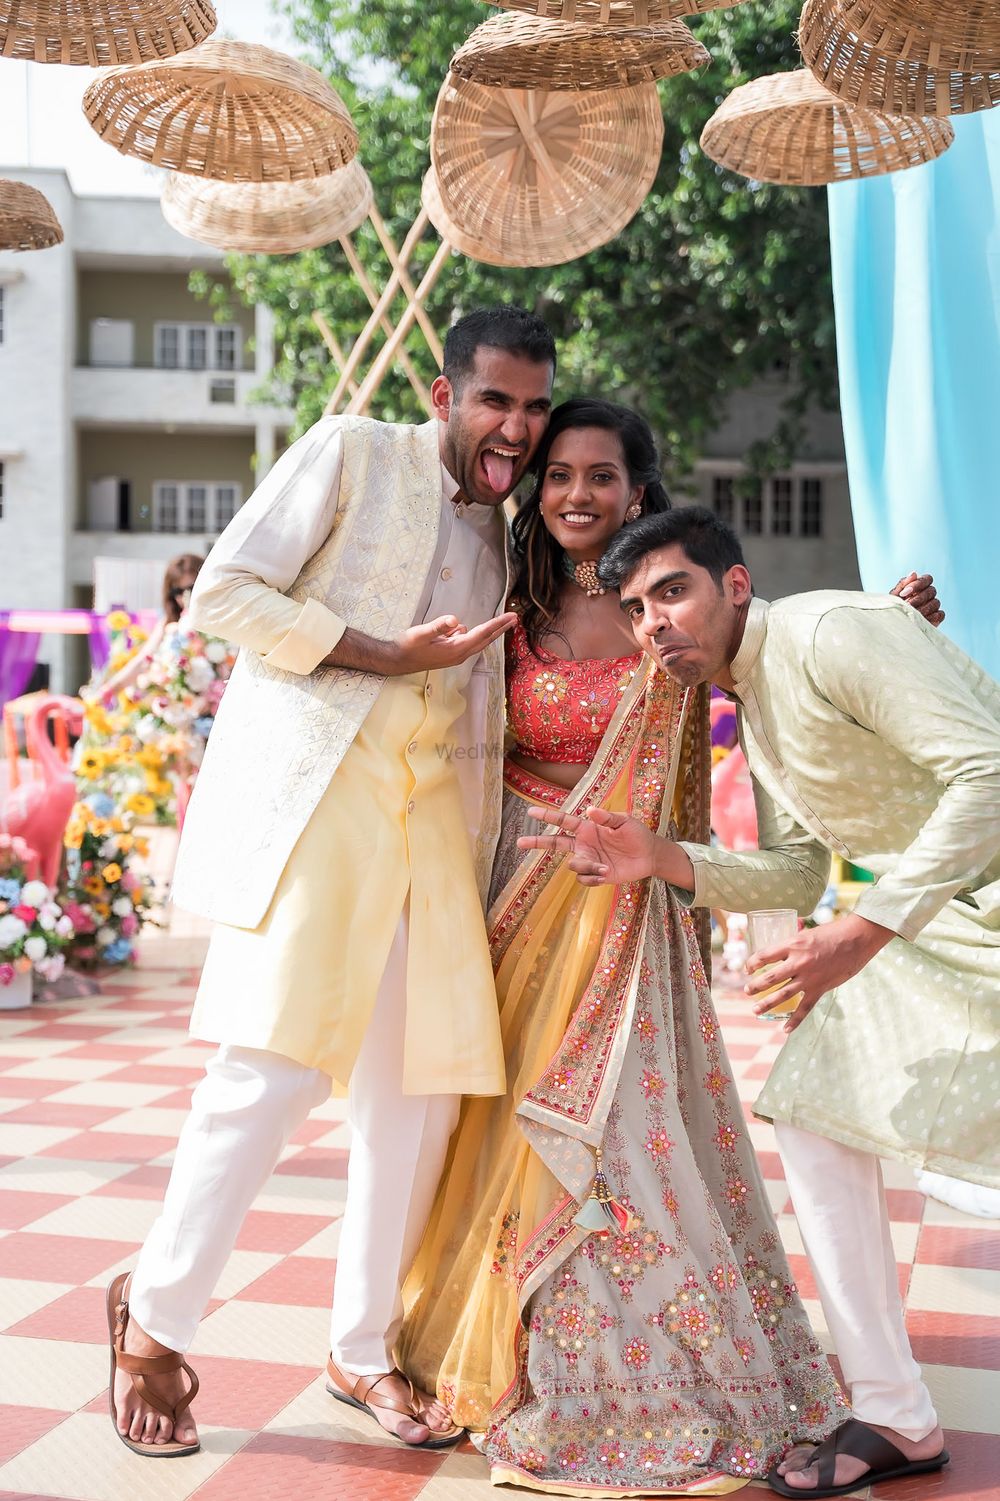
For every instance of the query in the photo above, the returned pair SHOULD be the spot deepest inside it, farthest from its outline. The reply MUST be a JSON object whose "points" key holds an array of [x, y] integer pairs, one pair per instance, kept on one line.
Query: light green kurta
{"points": [[871, 734]]}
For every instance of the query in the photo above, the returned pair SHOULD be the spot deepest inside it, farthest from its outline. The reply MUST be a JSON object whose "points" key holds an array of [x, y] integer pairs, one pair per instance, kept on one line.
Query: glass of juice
{"points": [[776, 925]]}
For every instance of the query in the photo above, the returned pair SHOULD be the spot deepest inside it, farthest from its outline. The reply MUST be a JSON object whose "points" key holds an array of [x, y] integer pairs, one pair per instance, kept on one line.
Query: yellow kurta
{"points": [[390, 826]]}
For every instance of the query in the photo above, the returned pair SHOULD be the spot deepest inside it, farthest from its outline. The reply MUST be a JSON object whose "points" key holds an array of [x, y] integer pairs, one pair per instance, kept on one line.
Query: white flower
{"points": [[122, 906], [46, 921], [64, 926], [199, 675], [35, 949], [12, 929], [51, 968], [104, 937], [34, 893], [147, 728], [216, 651]]}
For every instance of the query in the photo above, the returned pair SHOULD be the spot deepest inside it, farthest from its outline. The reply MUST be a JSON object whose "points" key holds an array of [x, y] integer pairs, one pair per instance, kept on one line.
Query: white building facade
{"points": [[129, 426]]}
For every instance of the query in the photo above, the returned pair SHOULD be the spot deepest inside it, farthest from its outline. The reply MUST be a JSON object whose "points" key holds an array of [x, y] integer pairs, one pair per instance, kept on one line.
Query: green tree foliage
{"points": [[715, 283]]}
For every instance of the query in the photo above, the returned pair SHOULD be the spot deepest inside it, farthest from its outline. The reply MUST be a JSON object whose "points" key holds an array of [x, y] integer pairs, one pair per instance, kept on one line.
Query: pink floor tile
{"points": [[78, 1316], [309, 1131], [108, 1052], [21, 1426], [145, 1182], [906, 1205], [264, 1231], [316, 1162], [29, 1089], [59, 1258], [302, 1281], [154, 1073], [948, 1245], [58, 1031], [972, 1475], [58, 1113], [955, 1339], [276, 1467], [18, 1209], [109, 1146]]}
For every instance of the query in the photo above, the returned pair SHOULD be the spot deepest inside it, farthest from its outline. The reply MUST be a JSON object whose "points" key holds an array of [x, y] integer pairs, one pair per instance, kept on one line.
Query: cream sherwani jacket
{"points": [[871, 734], [306, 557]]}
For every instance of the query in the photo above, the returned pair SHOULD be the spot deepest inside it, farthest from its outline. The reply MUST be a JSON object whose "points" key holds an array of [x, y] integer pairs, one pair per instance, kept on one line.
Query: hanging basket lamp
{"points": [[540, 177], [27, 218], [231, 111], [614, 15], [102, 33], [787, 128], [268, 218], [522, 52], [876, 64]]}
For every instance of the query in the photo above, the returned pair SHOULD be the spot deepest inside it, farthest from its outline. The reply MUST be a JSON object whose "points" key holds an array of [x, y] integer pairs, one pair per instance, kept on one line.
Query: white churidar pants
{"points": [[242, 1114], [839, 1202]]}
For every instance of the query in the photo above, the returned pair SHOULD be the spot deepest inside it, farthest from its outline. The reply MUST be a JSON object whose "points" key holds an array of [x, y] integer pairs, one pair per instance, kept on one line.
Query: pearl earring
{"points": [[634, 511]]}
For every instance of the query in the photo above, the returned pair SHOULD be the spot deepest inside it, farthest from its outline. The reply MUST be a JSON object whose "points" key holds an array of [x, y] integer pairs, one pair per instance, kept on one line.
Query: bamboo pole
{"points": [[375, 376], [330, 340], [412, 375], [386, 241], [364, 338]]}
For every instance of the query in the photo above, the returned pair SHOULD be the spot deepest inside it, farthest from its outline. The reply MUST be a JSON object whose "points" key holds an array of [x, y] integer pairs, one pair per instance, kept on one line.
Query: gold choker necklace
{"points": [[584, 575]]}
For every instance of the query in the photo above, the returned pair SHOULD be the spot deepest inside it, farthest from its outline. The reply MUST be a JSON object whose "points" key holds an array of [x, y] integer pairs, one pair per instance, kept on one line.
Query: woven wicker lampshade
{"points": [[787, 128], [268, 218], [430, 198], [27, 218], [538, 178], [522, 52], [97, 33], [231, 111], [836, 40], [614, 14]]}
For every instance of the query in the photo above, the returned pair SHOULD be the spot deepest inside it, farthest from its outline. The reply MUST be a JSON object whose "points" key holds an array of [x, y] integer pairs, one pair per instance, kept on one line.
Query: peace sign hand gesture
{"points": [[605, 849]]}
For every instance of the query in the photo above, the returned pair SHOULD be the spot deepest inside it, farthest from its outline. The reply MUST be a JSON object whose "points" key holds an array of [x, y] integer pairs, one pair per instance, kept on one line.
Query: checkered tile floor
{"points": [[93, 1091]]}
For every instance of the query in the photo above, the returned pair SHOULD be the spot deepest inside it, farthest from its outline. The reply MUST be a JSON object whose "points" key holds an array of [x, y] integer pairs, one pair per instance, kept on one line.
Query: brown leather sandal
{"points": [[138, 1368], [361, 1394]]}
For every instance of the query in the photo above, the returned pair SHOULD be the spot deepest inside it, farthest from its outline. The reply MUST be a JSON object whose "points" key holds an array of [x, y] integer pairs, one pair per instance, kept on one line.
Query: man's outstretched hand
{"points": [[605, 849], [812, 963], [446, 643], [919, 591]]}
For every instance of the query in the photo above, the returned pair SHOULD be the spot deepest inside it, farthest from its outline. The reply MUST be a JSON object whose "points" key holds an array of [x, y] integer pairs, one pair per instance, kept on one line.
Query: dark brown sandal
{"points": [[361, 1393], [884, 1461], [138, 1368]]}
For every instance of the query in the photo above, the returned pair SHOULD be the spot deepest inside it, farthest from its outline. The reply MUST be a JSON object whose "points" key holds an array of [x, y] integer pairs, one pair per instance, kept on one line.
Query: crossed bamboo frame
{"points": [[362, 392]]}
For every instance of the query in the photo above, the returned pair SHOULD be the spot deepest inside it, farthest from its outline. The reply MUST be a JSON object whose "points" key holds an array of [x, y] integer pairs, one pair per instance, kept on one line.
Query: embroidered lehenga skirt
{"points": [[668, 1355]]}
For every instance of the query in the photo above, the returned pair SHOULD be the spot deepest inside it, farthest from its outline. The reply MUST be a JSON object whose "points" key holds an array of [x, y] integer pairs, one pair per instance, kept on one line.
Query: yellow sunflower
{"points": [[112, 873], [91, 765], [92, 885], [141, 804]]}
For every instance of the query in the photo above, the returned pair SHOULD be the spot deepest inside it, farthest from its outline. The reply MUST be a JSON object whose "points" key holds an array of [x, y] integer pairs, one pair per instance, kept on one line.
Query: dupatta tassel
{"points": [[600, 1211]]}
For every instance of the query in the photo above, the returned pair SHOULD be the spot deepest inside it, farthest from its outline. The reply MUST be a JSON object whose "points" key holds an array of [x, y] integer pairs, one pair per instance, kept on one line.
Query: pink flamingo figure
{"points": [[39, 811]]}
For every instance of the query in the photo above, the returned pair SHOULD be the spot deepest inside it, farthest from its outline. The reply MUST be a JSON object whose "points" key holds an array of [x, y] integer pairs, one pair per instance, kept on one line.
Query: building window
{"points": [[194, 506], [781, 507], [197, 346], [722, 498], [753, 513], [811, 524]]}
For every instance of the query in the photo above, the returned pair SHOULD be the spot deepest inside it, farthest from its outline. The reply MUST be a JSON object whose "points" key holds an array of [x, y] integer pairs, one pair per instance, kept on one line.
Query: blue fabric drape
{"points": [[916, 277]]}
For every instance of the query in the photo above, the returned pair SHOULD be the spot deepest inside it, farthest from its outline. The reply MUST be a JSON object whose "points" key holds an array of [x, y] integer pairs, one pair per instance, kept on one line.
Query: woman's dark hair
{"points": [[539, 575], [180, 572], [706, 541]]}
